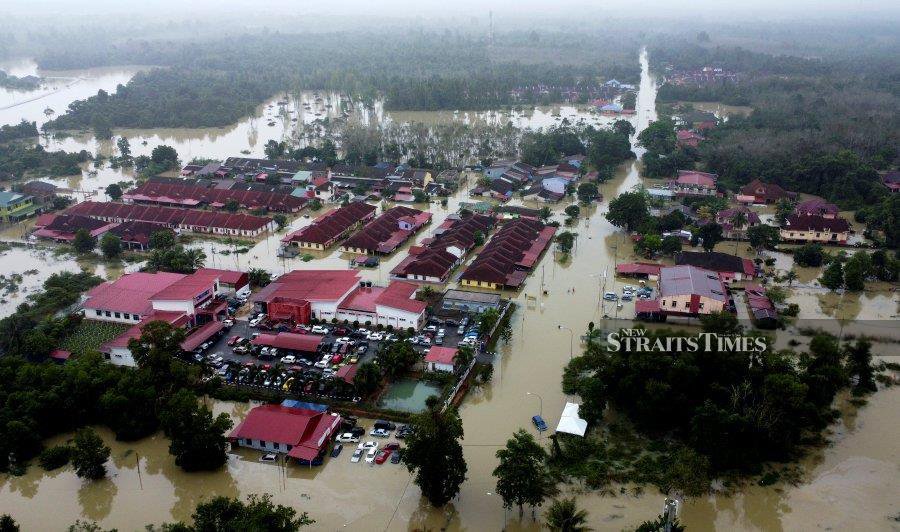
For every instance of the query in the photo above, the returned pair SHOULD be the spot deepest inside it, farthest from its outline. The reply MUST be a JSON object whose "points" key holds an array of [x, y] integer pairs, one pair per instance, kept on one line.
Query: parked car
{"points": [[393, 446], [290, 359], [539, 423], [336, 450], [357, 454], [348, 437], [386, 425], [380, 433], [376, 336], [233, 340], [269, 457], [610, 296], [627, 296], [368, 445], [371, 454], [357, 431], [396, 456], [319, 329], [383, 456]]}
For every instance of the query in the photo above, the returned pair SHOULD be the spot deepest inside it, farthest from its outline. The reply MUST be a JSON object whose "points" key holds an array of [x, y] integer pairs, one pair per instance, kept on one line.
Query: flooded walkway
{"points": [[852, 485]]}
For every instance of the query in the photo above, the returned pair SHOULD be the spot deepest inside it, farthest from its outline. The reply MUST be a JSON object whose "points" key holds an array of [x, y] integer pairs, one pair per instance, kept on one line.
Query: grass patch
{"points": [[90, 335]]}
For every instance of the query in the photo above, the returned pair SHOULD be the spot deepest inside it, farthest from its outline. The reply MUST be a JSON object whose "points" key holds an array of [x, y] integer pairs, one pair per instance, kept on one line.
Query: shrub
{"points": [[55, 457]]}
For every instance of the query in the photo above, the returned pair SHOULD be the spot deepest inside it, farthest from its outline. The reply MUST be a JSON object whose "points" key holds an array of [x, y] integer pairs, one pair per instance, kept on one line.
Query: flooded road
{"points": [[850, 485]]}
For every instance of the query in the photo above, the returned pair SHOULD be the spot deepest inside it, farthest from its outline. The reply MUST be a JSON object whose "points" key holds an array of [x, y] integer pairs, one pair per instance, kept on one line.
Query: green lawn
{"points": [[89, 335]]}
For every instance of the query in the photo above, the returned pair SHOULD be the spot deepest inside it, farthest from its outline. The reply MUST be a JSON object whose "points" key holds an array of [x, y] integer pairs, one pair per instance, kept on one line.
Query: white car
{"points": [[264, 351], [370, 456], [368, 445], [318, 329], [380, 433], [328, 372], [441, 332], [425, 341], [321, 364], [255, 321], [290, 359], [357, 454], [430, 328], [375, 336], [228, 323], [347, 437], [628, 289]]}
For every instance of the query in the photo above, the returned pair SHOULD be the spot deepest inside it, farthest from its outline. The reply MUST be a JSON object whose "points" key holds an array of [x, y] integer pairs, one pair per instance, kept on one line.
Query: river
{"points": [[852, 484]]}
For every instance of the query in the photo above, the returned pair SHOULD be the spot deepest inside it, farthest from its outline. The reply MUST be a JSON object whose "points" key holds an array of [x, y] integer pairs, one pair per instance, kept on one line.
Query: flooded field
{"points": [[852, 484], [61, 88]]}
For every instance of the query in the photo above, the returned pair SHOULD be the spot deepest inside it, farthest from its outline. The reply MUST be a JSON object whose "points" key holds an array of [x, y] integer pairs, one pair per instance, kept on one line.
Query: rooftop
{"points": [[690, 280], [130, 293], [310, 285], [716, 261], [441, 355]]}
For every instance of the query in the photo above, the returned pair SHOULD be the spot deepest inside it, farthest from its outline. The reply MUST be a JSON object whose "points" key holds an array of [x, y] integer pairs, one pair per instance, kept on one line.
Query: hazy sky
{"points": [[758, 9]]}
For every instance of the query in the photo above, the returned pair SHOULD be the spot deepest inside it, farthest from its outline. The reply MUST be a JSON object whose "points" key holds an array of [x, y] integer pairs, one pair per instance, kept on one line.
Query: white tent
{"points": [[570, 423]]}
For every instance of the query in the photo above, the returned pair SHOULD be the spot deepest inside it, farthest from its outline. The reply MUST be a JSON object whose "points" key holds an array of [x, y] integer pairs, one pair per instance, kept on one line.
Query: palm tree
{"points": [[790, 276], [463, 358], [564, 516], [738, 220]]}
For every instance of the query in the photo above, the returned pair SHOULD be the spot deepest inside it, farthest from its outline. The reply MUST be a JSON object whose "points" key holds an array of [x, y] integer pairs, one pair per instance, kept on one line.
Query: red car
{"points": [[383, 455], [233, 340], [393, 446], [336, 359]]}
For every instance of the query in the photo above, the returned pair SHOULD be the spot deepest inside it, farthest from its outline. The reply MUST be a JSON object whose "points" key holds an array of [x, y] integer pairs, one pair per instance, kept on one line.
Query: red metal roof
{"points": [[347, 372], [231, 277], [692, 177], [170, 216], [511, 253], [298, 427], [306, 343], [631, 268], [401, 295], [646, 306], [188, 287], [331, 225], [130, 293], [201, 334], [191, 195], [441, 355], [310, 285]]}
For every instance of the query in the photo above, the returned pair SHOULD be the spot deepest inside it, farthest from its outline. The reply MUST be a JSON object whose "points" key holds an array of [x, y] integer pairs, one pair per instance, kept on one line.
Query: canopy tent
{"points": [[570, 423]]}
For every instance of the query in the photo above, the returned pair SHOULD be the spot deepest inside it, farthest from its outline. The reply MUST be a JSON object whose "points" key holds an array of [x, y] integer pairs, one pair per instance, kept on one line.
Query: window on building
{"points": [[674, 304], [701, 306], [98, 312], [687, 304], [108, 314], [118, 314]]}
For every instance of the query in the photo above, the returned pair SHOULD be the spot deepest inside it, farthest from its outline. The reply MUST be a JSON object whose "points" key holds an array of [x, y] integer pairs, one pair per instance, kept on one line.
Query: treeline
{"points": [[729, 412], [684, 55], [212, 82], [22, 130], [816, 128], [603, 148], [25, 83], [16, 160]]}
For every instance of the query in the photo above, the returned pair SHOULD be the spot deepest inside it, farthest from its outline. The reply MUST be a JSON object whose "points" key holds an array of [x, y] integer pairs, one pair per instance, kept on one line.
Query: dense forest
{"points": [[17, 160], [25, 83], [816, 127], [22, 130], [211, 82]]}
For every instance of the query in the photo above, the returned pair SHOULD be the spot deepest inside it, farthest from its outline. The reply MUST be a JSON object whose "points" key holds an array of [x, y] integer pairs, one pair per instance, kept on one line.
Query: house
{"points": [[392, 306], [218, 223], [466, 301], [63, 227], [729, 267], [501, 189], [729, 229], [763, 193], [574, 160], [549, 190], [383, 235], [512, 212], [136, 234], [300, 433], [15, 207], [690, 291], [329, 228], [440, 359], [639, 270], [815, 228], [688, 138], [761, 307], [303, 294], [127, 299], [817, 207], [438, 256], [509, 256], [891, 180], [694, 183], [231, 283], [41, 192], [181, 193]]}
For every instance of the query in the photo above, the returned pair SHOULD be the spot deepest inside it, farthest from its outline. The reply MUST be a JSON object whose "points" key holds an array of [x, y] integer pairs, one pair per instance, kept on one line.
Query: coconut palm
{"points": [[564, 516], [738, 220], [790, 276]]}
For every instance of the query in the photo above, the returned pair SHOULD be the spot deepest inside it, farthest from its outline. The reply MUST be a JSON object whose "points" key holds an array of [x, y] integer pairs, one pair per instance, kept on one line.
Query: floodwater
{"points": [[852, 484], [60, 88]]}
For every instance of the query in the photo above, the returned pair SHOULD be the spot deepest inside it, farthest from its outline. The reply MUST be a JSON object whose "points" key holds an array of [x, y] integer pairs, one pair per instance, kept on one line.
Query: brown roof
{"points": [[331, 225], [811, 222]]}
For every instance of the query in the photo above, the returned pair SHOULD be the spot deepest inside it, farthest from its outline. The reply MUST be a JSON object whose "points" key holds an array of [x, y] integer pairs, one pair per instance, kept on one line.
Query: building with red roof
{"points": [[440, 358], [891, 180], [219, 223], [694, 183], [331, 227], [231, 282], [303, 294], [383, 235], [726, 218], [509, 256], [688, 138], [193, 194], [642, 270], [761, 307], [439, 255], [763, 193], [127, 299], [300, 433], [290, 342], [816, 207], [62, 227], [729, 267], [815, 228]]}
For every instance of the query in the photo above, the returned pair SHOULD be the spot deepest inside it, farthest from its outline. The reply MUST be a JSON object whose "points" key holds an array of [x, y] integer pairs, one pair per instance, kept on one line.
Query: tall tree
{"points": [[83, 241], [156, 353], [434, 453], [522, 476], [628, 210], [111, 246], [223, 514], [709, 235], [114, 191], [833, 276], [89, 455], [198, 440]]}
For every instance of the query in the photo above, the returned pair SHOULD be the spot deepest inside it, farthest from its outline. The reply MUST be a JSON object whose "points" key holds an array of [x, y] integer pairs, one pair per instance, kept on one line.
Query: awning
{"points": [[202, 334], [570, 423], [303, 453]]}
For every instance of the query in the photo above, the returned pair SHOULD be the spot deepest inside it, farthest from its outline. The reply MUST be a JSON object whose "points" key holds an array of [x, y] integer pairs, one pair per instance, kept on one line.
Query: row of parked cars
{"points": [[630, 292], [369, 451]]}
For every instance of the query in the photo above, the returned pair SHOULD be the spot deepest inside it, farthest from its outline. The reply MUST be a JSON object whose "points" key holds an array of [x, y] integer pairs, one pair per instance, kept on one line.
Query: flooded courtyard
{"points": [[851, 484]]}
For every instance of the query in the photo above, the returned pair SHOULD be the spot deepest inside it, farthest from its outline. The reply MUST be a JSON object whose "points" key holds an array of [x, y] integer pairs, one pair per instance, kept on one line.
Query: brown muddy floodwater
{"points": [[852, 484]]}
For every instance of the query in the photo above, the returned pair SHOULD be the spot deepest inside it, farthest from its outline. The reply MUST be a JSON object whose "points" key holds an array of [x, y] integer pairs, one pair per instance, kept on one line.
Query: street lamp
{"points": [[541, 404], [571, 337]]}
